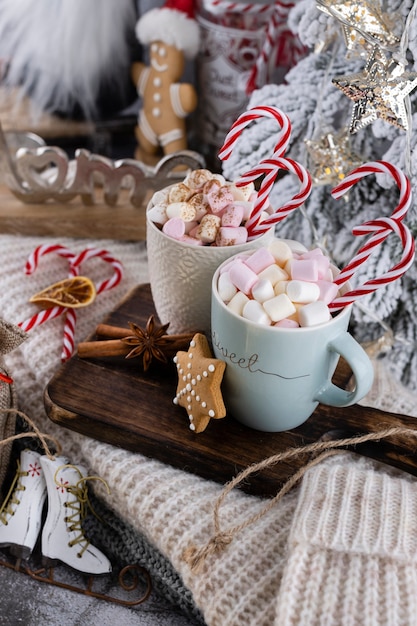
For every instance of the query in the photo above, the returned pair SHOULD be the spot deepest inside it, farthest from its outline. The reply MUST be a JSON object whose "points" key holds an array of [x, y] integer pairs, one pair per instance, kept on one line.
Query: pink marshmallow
{"points": [[328, 290], [174, 228], [229, 236], [304, 269], [287, 323], [242, 276], [232, 215], [192, 241], [260, 260], [219, 199]]}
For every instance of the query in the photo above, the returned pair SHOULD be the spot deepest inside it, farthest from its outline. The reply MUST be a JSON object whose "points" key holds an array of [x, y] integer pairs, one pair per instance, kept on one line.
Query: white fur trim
{"points": [[172, 27], [60, 52]]}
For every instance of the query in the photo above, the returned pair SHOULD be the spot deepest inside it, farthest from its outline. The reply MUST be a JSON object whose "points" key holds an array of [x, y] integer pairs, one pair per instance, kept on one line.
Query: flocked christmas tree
{"points": [[350, 100]]}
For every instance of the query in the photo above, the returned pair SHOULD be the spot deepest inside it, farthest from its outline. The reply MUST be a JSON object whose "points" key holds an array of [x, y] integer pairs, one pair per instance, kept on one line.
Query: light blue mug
{"points": [[275, 377]]}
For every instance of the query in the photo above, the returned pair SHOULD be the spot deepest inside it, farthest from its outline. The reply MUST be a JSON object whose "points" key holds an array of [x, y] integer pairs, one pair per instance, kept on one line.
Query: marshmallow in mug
{"points": [[283, 285], [204, 210]]}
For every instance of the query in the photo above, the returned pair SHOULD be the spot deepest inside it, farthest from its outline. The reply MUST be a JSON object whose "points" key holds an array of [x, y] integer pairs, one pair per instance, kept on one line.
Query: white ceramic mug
{"points": [[180, 277], [275, 377]]}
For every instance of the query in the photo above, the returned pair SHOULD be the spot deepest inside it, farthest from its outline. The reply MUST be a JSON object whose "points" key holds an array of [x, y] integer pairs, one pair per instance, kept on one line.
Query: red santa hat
{"points": [[174, 24]]}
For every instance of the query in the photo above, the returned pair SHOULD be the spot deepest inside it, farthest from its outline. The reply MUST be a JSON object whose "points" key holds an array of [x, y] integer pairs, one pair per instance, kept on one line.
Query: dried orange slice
{"points": [[73, 292]]}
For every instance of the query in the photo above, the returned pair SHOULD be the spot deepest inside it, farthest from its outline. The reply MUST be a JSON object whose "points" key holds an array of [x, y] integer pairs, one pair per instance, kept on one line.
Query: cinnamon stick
{"points": [[97, 349], [112, 332], [170, 344]]}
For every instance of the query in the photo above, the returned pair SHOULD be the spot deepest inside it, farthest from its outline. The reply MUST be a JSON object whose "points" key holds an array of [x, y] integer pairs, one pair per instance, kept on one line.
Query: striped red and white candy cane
{"points": [[225, 7], [34, 258], [71, 317], [382, 227], [251, 115], [31, 265], [75, 261], [259, 69], [271, 168], [90, 253], [379, 167]]}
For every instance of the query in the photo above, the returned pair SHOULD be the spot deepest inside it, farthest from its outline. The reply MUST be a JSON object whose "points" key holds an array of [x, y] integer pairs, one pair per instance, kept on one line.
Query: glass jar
{"points": [[231, 43]]}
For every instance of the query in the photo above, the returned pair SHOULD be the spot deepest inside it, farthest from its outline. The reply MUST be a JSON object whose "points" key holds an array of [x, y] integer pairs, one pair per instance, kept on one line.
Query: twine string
{"points": [[195, 556], [36, 433]]}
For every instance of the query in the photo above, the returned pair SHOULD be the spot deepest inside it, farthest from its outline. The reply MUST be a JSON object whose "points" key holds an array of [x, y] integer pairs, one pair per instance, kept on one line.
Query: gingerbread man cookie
{"points": [[199, 380], [172, 37]]}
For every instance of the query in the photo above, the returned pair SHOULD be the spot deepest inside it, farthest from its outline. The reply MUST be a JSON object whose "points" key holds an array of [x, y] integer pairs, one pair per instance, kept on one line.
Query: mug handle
{"points": [[362, 369]]}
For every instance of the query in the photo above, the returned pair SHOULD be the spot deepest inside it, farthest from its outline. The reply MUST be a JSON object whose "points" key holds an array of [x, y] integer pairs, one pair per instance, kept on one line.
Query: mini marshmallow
{"points": [[242, 276], [303, 291], [190, 227], [274, 274], [200, 205], [280, 287], [219, 199], [280, 250], [242, 193], [262, 290], [192, 241], [237, 303], [161, 196], [225, 287], [296, 246], [328, 291], [314, 313], [229, 236], [179, 192], [232, 215], [259, 260], [254, 311], [247, 208], [304, 270], [287, 323], [175, 228], [209, 225], [158, 214], [184, 210], [322, 261], [196, 178], [279, 307]]}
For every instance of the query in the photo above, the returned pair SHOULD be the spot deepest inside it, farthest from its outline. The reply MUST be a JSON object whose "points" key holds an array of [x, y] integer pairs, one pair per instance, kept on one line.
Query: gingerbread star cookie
{"points": [[199, 380]]}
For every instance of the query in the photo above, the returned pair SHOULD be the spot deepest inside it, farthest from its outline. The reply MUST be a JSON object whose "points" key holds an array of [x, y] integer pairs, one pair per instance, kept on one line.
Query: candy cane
{"points": [[69, 329], [75, 262], [266, 51], [249, 116], [382, 227], [34, 258], [254, 226], [382, 167], [225, 7], [30, 266], [109, 283]]}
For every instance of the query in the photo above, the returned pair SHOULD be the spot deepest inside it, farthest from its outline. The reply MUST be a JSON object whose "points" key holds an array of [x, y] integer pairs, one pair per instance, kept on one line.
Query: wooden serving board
{"points": [[112, 400]]}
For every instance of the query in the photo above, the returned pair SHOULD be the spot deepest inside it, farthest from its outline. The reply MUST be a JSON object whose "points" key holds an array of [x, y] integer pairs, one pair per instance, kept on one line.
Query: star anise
{"points": [[148, 342]]}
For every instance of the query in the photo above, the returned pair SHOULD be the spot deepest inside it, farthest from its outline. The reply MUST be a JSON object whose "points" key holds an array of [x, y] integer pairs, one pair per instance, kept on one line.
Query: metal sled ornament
{"points": [[131, 578], [43, 174]]}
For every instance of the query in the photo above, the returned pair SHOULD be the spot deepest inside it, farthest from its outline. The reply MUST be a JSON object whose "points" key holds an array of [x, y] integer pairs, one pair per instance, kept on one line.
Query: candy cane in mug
{"points": [[271, 168], [251, 115], [382, 227]]}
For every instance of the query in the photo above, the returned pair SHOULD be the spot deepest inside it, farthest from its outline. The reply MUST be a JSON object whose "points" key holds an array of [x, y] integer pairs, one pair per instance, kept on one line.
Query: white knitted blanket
{"points": [[339, 549]]}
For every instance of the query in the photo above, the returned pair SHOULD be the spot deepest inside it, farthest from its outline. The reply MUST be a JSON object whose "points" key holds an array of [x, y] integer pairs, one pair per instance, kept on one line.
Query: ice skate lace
{"points": [[7, 509], [78, 508]]}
